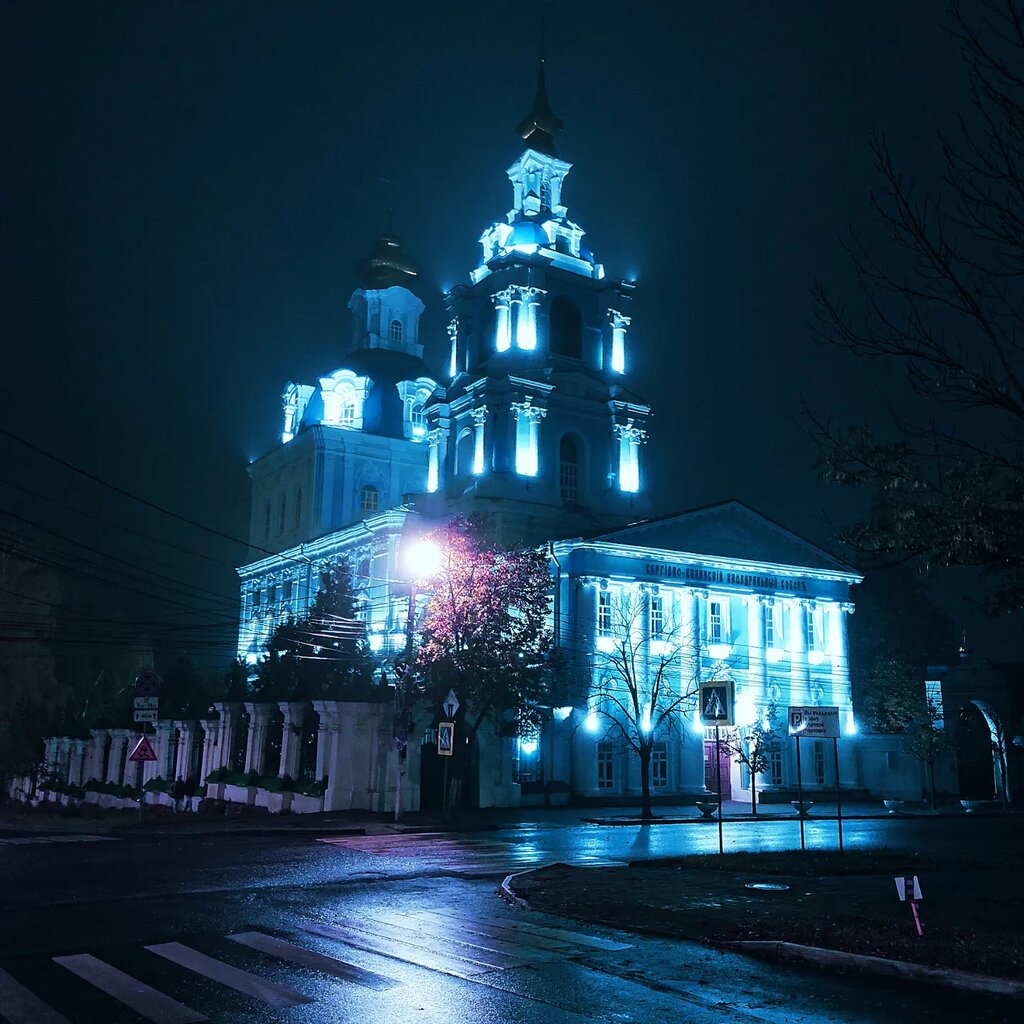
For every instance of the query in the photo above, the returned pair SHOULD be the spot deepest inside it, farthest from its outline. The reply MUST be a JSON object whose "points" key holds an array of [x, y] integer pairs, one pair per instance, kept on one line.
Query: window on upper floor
{"points": [[418, 419], [812, 631], [297, 515], [369, 499], [396, 330], [347, 412], [604, 613], [257, 594], [716, 623], [657, 618], [266, 519], [545, 194], [287, 590], [569, 469], [283, 512], [769, 627]]}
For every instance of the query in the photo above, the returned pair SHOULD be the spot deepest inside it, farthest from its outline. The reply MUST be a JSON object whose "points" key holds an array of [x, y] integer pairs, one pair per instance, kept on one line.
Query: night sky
{"points": [[188, 186]]}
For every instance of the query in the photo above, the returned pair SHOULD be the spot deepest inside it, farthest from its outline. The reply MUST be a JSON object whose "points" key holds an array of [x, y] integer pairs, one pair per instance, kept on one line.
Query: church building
{"points": [[534, 421]]}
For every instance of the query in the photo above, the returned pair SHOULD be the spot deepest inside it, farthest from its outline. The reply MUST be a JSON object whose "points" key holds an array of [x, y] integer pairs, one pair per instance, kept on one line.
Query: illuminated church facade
{"points": [[534, 422]]}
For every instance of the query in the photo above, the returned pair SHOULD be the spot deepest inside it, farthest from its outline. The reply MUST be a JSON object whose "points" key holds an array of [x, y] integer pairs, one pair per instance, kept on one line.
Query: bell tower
{"points": [[537, 425]]}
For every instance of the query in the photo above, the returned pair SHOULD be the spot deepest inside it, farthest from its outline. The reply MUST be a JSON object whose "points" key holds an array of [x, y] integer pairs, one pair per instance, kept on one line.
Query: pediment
{"points": [[729, 530]]}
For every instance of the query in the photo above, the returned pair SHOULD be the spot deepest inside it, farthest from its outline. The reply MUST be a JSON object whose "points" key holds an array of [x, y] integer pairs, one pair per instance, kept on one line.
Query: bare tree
{"points": [[751, 745], [945, 304], [640, 691]]}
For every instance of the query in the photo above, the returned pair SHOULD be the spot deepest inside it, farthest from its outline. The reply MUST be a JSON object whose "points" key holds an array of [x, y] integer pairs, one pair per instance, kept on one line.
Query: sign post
{"points": [[142, 751], [450, 708], [818, 723], [908, 888], [716, 708]]}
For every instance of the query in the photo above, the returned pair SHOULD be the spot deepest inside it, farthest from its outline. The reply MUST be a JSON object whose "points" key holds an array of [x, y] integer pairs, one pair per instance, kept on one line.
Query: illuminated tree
{"points": [[944, 305], [486, 632], [640, 691], [752, 746]]}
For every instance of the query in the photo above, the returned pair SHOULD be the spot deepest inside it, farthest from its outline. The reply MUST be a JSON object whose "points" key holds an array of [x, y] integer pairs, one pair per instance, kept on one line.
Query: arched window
{"points": [[545, 194], [464, 452], [418, 419], [347, 413], [284, 510], [396, 330], [298, 508], [566, 328], [369, 499], [569, 469]]}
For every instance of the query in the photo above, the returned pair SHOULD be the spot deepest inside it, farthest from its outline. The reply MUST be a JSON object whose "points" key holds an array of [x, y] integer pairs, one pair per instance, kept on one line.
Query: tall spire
{"points": [[540, 126]]}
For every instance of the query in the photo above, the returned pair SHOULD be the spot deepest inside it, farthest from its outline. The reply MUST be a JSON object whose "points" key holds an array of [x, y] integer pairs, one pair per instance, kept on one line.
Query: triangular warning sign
{"points": [[143, 751]]}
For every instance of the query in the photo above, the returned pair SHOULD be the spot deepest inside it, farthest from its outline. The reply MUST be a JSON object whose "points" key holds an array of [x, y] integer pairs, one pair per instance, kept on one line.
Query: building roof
{"points": [[386, 265], [728, 530]]}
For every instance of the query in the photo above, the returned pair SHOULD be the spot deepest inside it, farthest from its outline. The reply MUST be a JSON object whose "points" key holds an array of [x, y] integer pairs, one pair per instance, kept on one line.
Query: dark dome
{"points": [[386, 265]]}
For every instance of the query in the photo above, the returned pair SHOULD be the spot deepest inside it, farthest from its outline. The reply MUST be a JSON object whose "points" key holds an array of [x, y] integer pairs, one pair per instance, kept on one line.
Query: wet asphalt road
{"points": [[418, 916]]}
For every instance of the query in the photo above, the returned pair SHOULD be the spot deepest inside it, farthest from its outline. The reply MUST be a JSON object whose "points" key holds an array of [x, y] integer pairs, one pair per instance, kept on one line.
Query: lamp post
{"points": [[423, 560]]}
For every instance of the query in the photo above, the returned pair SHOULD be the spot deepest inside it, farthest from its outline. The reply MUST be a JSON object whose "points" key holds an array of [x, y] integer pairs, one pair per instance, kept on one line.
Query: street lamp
{"points": [[422, 559]]}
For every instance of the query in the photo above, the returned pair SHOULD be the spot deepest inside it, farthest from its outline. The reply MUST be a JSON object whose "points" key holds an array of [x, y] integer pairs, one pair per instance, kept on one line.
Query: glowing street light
{"points": [[423, 559]]}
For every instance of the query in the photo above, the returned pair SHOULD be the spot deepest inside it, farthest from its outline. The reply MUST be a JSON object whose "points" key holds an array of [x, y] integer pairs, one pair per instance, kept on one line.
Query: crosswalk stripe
{"points": [[452, 932], [466, 951], [241, 981], [310, 958], [145, 1001], [31, 840], [19, 1006], [552, 933], [396, 950], [566, 946]]}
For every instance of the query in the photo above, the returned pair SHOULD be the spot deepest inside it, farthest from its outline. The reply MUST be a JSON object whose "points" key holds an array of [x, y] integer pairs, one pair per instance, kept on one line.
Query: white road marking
{"points": [[29, 840], [551, 933], [310, 958], [19, 1006], [241, 981], [145, 1001]]}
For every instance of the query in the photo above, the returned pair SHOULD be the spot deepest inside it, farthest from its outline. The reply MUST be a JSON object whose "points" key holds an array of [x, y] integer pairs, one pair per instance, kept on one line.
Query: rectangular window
{"points": [[271, 594], [569, 481], [288, 590], [604, 613], [933, 694], [605, 764], [775, 766], [819, 763], [256, 595], [659, 765], [811, 632], [769, 627], [657, 615], [715, 626]]}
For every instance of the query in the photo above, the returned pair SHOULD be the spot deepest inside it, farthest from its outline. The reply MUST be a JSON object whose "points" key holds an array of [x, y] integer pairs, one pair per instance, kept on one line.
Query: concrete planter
{"points": [[972, 806], [240, 794], [278, 803], [707, 808], [893, 806], [302, 804], [803, 810]]}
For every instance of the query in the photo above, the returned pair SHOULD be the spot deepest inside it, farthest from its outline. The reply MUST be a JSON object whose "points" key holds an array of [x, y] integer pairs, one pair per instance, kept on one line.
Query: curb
{"points": [[739, 819], [964, 981], [508, 894], [258, 832]]}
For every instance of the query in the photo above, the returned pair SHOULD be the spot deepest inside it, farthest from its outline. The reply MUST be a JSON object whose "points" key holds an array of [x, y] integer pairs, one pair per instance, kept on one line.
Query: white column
{"points": [[229, 713], [618, 354], [211, 728], [799, 669], [479, 419], [294, 713], [503, 333], [839, 652], [94, 763], [526, 320], [259, 718], [115, 766], [185, 742], [77, 762], [756, 673], [453, 338], [434, 438], [630, 438], [528, 417]]}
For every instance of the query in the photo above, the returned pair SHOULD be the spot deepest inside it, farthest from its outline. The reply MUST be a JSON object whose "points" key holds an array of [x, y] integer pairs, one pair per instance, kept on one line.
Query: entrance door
{"points": [[711, 775]]}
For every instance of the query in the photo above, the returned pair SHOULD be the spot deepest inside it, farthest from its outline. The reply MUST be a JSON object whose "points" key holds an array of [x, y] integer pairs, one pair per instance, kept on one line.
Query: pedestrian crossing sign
{"points": [[446, 738], [716, 703]]}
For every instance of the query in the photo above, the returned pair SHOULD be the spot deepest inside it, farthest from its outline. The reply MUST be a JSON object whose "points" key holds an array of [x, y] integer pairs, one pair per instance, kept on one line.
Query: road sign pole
{"points": [[839, 795], [718, 773], [800, 793], [444, 795]]}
